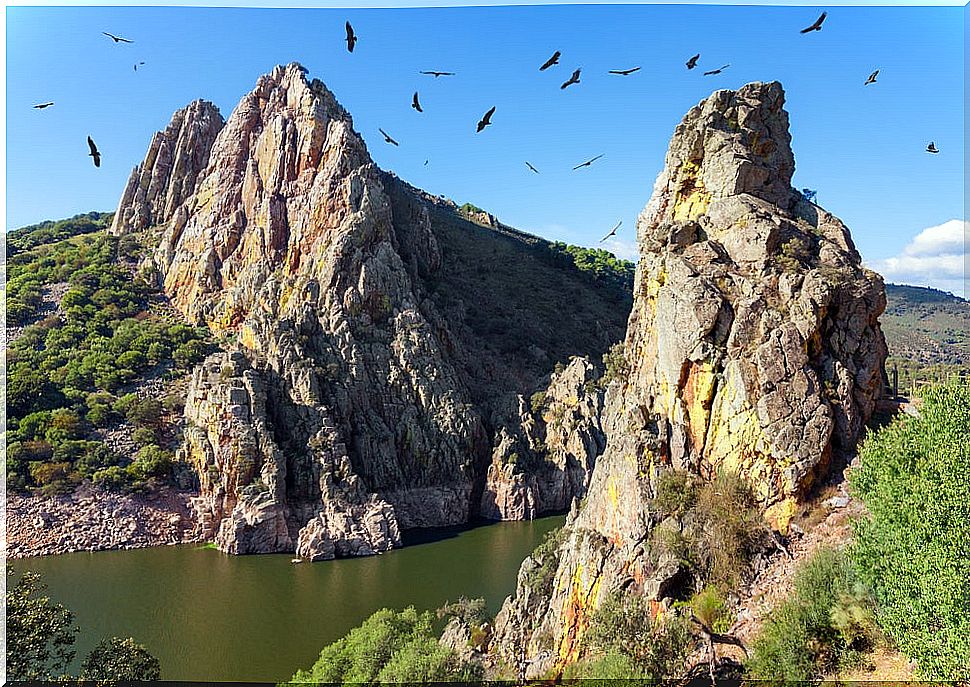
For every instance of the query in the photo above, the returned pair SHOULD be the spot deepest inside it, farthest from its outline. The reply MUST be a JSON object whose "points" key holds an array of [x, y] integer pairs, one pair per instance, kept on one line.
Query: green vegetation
{"points": [[41, 635], [65, 370], [542, 575], [628, 643], [25, 238], [904, 577], [912, 549], [469, 209], [389, 647], [601, 264], [721, 525], [794, 254], [825, 625], [615, 365]]}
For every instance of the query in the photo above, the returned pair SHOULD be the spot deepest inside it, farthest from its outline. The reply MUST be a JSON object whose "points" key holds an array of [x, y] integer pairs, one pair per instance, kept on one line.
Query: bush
{"points": [[616, 367], [541, 577], [824, 625], [389, 647], [912, 549], [710, 608], [656, 649], [40, 642], [676, 492], [723, 529], [151, 461]]}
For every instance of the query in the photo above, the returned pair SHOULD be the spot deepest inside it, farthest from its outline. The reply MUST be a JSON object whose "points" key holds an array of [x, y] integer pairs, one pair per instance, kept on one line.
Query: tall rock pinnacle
{"points": [[166, 178], [753, 346]]}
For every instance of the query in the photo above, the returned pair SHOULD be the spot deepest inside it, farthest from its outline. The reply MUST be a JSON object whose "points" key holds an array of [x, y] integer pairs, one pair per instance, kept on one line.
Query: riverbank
{"points": [[94, 520]]}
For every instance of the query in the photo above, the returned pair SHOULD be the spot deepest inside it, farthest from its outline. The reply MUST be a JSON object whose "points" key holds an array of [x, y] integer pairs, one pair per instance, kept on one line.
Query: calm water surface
{"points": [[209, 616]]}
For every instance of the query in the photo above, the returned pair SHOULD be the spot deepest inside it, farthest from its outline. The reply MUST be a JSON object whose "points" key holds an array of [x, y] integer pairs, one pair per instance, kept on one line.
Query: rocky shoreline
{"points": [[93, 520]]}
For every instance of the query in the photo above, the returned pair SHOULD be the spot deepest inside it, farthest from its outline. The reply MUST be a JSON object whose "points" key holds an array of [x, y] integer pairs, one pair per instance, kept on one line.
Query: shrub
{"points": [[469, 611], [724, 525], [389, 647], [656, 648], [143, 436], [826, 622], [912, 549], [710, 608], [120, 659], [540, 578], [732, 527], [151, 461], [615, 365], [676, 492]]}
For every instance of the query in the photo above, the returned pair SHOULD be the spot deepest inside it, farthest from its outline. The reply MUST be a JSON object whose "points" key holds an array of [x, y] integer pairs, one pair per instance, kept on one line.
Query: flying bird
{"points": [[931, 148], [572, 79], [624, 72], [612, 231], [425, 163], [716, 71], [387, 138], [872, 78], [415, 104], [588, 162], [817, 26], [527, 164], [437, 74], [116, 39], [551, 61], [137, 65], [692, 62], [41, 106], [94, 152], [351, 37], [486, 120]]}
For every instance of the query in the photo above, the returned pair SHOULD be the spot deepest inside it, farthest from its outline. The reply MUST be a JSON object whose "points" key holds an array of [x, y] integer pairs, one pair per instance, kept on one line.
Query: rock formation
{"points": [[379, 333], [166, 178], [753, 345]]}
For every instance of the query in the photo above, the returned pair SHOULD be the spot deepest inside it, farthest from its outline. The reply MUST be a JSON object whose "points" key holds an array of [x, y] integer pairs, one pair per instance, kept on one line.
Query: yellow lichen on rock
{"points": [[780, 515], [692, 198], [698, 395]]}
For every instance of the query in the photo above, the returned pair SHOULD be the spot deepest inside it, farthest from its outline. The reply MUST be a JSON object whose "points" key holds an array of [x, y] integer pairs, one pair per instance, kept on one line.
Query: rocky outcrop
{"points": [[167, 176], [372, 348], [753, 346], [543, 456]]}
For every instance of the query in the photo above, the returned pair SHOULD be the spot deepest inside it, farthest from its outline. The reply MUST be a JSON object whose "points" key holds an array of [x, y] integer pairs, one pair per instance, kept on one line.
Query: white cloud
{"points": [[936, 257], [626, 250]]}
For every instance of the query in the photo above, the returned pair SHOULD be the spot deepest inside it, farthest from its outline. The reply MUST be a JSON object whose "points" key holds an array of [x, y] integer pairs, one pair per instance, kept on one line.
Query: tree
{"points": [[120, 659], [40, 636]]}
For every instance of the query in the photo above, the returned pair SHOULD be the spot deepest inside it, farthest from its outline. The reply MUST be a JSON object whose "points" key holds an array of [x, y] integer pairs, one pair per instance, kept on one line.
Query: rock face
{"points": [[370, 365], [166, 178], [753, 345], [543, 457]]}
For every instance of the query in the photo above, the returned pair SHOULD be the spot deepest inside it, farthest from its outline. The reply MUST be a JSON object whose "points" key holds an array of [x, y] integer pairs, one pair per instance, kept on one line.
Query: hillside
{"points": [[95, 360]]}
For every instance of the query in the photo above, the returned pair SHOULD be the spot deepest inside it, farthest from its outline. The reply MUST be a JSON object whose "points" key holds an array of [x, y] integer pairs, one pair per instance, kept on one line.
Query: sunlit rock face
{"points": [[167, 176], [366, 382], [753, 345]]}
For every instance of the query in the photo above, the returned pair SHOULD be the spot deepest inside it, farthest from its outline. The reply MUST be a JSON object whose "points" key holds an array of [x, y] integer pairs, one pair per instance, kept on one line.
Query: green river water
{"points": [[209, 616]]}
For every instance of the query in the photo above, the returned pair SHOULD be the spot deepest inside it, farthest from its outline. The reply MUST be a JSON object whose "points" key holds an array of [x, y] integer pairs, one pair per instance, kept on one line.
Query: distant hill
{"points": [[926, 325]]}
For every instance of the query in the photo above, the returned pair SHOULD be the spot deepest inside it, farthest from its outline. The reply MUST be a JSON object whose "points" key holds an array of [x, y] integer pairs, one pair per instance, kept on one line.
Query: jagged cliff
{"points": [[753, 345], [383, 341]]}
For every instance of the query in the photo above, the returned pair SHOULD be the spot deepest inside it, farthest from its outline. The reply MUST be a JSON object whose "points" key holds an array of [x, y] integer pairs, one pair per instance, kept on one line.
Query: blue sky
{"points": [[861, 148]]}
